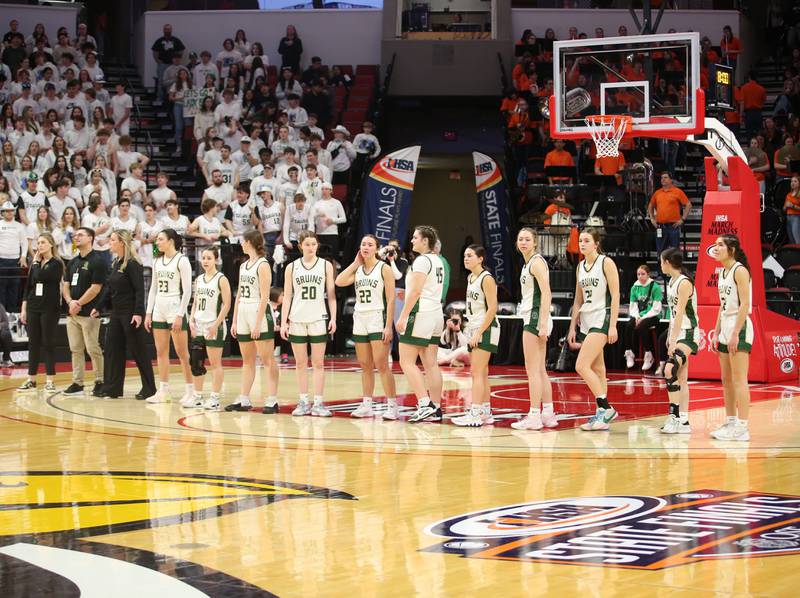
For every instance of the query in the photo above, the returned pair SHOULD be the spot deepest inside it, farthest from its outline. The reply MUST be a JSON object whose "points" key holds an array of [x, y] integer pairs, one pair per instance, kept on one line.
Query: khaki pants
{"points": [[83, 333]]}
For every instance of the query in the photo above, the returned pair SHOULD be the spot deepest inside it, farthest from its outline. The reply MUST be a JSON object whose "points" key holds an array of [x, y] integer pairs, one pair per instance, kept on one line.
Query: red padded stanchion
{"points": [[776, 350]]}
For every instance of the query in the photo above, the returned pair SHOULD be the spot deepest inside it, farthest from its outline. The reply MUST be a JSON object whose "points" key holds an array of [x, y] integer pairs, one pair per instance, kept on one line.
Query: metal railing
{"points": [[139, 129]]}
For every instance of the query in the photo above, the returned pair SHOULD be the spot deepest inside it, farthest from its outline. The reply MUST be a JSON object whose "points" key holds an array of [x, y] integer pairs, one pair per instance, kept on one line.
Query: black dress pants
{"points": [[42, 328], [121, 337]]}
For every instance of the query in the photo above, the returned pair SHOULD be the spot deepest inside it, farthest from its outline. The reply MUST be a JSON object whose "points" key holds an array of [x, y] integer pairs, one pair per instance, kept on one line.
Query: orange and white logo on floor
{"points": [[631, 532]]}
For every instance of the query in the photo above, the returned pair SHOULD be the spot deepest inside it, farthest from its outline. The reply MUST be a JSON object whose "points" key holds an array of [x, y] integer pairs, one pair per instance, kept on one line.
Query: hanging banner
{"points": [[493, 214], [387, 197]]}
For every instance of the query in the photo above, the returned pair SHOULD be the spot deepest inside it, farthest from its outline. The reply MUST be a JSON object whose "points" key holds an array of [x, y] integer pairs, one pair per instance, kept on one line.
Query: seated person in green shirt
{"points": [[645, 312]]}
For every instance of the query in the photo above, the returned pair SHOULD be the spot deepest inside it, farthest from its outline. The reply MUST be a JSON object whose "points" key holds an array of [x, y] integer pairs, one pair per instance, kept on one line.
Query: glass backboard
{"points": [[655, 79]]}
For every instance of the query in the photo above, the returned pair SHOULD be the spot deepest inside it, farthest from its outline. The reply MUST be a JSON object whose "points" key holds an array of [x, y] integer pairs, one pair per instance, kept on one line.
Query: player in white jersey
{"points": [[167, 302], [596, 308], [420, 325], [682, 340], [253, 325], [124, 220], [174, 219], [372, 323], [159, 196], [270, 215], [483, 332], [206, 229], [307, 280], [733, 336], [534, 282], [241, 215], [148, 230], [212, 302], [227, 167]]}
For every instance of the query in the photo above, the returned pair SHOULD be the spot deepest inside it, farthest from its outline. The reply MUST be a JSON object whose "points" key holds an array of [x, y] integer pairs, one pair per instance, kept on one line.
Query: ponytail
{"points": [[735, 248]]}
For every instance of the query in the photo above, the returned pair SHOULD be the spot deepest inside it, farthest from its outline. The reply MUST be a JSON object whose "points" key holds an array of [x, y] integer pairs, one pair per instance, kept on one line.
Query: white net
{"points": [[607, 131]]}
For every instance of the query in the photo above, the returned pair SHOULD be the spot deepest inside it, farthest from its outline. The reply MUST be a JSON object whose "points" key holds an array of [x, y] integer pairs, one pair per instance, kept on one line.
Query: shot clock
{"points": [[720, 94]]}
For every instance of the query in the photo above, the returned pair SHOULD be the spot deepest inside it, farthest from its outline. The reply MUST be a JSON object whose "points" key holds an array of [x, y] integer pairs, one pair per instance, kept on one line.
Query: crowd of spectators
{"points": [[769, 131], [268, 155]]}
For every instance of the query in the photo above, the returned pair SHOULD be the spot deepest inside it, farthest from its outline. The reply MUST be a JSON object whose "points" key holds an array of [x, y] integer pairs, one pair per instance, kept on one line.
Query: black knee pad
{"points": [[676, 361], [197, 355]]}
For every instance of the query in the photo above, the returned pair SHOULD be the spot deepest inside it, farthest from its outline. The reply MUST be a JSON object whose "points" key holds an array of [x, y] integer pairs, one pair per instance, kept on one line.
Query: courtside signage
{"points": [[630, 532]]}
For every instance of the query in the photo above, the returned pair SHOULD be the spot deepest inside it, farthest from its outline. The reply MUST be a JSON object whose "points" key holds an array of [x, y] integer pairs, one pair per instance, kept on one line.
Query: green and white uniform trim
{"points": [[308, 299], [425, 322], [249, 298], [595, 311], [369, 313], [532, 297], [208, 297], [729, 311], [689, 333], [169, 289], [477, 306]]}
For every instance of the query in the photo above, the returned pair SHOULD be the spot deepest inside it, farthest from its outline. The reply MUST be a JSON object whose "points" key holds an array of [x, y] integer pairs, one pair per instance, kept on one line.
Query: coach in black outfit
{"points": [[124, 295], [40, 310]]}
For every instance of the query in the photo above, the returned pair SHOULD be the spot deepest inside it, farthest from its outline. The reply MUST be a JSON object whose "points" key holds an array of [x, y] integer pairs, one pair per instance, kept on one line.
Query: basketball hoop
{"points": [[607, 131]]}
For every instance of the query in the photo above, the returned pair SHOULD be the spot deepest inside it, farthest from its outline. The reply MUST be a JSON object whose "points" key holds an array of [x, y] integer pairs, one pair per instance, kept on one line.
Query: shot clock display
{"points": [[720, 96]]}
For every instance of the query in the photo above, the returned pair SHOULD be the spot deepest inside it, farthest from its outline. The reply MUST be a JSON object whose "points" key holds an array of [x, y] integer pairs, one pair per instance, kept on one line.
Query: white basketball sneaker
{"points": [[364, 410], [649, 360], [724, 431], [532, 421], [630, 359], [670, 425], [486, 416], [191, 400], [211, 404], [472, 419], [391, 412], [320, 410], [161, 396], [303, 408]]}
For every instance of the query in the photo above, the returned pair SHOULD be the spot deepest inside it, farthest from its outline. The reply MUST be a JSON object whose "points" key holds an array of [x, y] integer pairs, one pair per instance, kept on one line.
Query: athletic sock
{"points": [[602, 403], [547, 409], [215, 396], [367, 400], [391, 401], [304, 397], [535, 411], [197, 395], [731, 419], [318, 399], [271, 400], [163, 386], [244, 401], [742, 423], [674, 409], [684, 417], [190, 388]]}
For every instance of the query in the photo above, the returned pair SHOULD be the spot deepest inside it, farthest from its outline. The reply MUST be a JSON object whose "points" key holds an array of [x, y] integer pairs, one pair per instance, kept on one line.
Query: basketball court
{"points": [[255, 505]]}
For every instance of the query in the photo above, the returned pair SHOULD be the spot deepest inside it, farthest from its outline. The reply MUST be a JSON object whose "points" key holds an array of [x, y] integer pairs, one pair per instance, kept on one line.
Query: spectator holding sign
{"points": [[177, 93]]}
